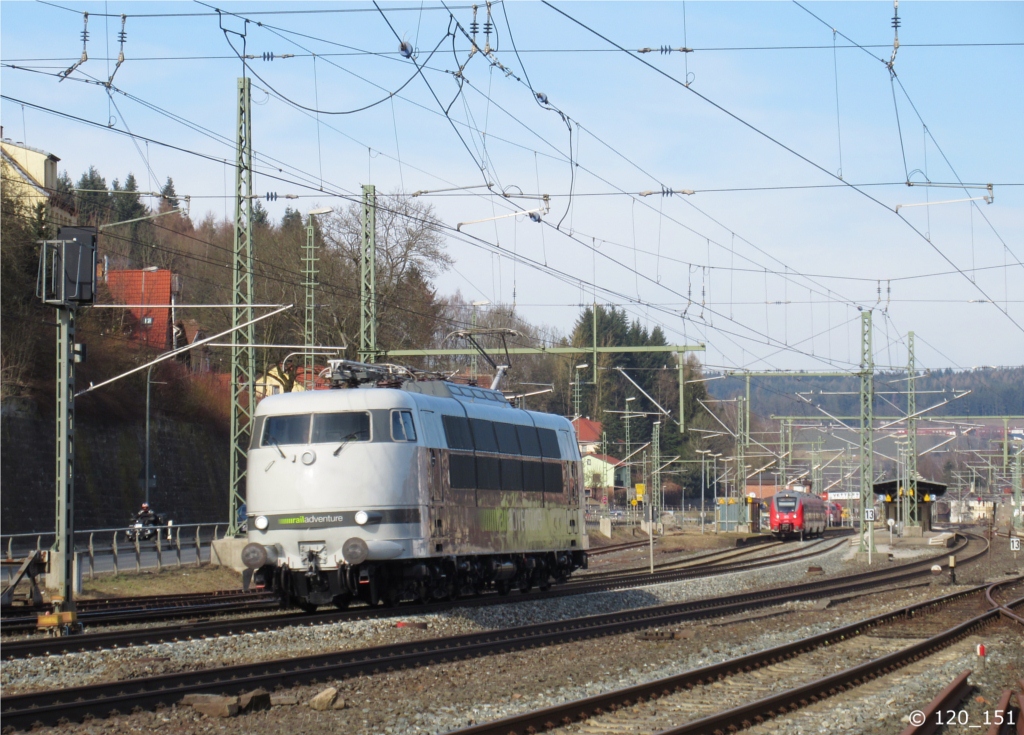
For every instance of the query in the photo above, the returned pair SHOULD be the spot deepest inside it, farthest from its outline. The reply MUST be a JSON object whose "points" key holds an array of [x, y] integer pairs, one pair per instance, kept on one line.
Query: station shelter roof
{"points": [[890, 489]]}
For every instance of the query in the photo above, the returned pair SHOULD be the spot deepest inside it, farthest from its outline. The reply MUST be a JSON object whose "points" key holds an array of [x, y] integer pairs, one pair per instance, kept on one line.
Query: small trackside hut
{"points": [[397, 485]]}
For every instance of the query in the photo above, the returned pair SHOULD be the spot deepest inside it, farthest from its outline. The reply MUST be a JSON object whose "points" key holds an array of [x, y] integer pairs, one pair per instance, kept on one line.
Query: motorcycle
{"points": [[145, 529]]}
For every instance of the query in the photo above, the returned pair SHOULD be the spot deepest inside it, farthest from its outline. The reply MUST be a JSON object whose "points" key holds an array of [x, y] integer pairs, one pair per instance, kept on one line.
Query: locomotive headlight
{"points": [[362, 517], [261, 523]]}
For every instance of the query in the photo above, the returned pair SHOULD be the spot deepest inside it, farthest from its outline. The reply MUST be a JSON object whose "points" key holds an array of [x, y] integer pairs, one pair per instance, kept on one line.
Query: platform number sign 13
{"points": [[869, 515], [1014, 544]]}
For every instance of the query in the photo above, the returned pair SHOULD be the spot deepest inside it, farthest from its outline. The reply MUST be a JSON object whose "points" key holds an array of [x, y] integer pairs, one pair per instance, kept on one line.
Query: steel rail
{"points": [[100, 700], [745, 716], [792, 699], [175, 633], [1003, 609], [154, 614], [672, 571], [140, 602], [947, 699]]}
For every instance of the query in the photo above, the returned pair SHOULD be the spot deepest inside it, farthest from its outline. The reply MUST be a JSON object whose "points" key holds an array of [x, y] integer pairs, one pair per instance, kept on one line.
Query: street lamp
{"points": [[483, 302], [308, 378], [715, 460], [149, 382], [703, 483]]}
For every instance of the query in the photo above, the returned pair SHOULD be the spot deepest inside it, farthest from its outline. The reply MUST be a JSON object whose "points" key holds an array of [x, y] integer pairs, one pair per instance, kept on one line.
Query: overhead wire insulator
{"points": [[122, 36], [268, 55], [85, 56], [405, 49], [271, 196], [542, 98]]}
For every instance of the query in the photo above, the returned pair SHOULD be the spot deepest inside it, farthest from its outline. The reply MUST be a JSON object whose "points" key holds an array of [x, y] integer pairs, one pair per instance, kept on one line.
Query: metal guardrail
{"points": [[185, 540]]}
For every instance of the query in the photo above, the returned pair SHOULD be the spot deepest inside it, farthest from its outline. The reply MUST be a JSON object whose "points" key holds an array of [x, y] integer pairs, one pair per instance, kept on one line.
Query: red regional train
{"points": [[797, 514]]}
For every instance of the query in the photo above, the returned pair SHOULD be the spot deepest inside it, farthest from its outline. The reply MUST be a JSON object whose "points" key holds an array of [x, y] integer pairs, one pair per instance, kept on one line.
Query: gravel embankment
{"points": [[90, 667], [445, 697], [884, 706]]}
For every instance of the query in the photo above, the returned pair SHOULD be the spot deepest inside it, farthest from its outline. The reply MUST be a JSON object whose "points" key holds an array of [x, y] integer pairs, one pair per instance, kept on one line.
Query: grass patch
{"points": [[168, 582]]}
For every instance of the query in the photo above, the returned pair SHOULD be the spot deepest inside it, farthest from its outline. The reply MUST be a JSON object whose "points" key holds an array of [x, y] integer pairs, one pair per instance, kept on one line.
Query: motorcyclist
{"points": [[146, 516]]}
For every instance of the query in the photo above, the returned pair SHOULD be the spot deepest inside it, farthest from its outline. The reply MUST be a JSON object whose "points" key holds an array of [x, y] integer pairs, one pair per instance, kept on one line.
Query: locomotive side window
{"points": [[511, 474], [528, 440], [785, 505], [549, 443], [552, 477], [257, 432], [508, 442], [348, 426], [462, 471], [483, 435], [456, 432], [285, 430], [533, 477], [488, 473], [402, 429]]}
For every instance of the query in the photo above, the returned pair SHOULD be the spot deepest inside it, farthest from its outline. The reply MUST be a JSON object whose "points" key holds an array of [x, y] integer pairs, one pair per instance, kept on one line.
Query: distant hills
{"points": [[993, 392]]}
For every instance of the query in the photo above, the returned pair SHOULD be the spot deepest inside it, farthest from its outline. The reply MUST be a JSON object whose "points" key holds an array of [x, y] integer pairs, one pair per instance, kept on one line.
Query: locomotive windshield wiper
{"points": [[277, 447], [345, 442]]}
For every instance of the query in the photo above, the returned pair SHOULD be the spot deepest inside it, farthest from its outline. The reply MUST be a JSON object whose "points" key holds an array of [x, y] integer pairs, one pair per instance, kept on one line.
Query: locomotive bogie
{"points": [[425, 492]]}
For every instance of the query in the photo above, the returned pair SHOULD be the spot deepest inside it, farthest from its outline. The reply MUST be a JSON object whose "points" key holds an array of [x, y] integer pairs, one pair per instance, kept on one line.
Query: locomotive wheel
{"points": [[341, 601], [306, 606], [525, 584], [503, 587], [391, 596]]}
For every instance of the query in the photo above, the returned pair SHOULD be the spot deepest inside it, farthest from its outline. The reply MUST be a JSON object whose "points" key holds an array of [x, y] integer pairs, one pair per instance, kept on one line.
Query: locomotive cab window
{"points": [[785, 505], [402, 429], [549, 443], [279, 430], [346, 426]]}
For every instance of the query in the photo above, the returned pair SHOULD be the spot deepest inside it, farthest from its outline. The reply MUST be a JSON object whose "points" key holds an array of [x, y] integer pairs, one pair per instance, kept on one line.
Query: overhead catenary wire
{"points": [[791, 150]]}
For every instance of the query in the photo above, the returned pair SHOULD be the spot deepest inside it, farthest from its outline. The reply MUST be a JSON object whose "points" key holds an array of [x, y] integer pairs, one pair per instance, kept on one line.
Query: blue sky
{"points": [[767, 278]]}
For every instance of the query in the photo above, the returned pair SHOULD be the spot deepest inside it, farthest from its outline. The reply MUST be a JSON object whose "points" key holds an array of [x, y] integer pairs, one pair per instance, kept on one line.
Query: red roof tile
{"points": [[587, 431], [142, 288]]}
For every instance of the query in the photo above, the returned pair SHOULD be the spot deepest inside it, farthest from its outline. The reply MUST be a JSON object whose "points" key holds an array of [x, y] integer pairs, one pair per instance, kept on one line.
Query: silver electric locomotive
{"points": [[395, 488]]}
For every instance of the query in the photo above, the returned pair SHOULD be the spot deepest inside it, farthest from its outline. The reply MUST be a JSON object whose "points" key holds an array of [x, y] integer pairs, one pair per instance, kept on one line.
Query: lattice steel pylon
{"points": [[910, 497], [1018, 478], [655, 490], [62, 560], [867, 419], [309, 271], [243, 398], [368, 278]]}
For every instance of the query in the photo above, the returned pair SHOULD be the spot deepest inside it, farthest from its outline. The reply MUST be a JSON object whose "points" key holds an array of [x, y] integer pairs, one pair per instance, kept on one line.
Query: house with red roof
{"points": [[147, 293], [601, 473], [588, 434]]}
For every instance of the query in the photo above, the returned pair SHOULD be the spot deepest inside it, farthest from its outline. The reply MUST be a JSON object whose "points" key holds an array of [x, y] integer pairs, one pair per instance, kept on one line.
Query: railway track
{"points": [[23, 648], [696, 698], [100, 700], [121, 611]]}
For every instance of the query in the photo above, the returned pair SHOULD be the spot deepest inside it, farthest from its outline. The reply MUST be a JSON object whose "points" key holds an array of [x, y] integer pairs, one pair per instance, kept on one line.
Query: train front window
{"points": [[785, 505], [402, 429], [279, 430], [347, 426]]}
